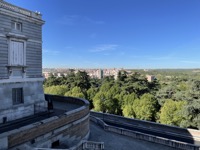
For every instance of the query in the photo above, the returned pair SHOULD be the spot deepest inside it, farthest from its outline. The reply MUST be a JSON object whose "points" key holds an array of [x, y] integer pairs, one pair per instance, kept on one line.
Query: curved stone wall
{"points": [[195, 134], [145, 137], [65, 128]]}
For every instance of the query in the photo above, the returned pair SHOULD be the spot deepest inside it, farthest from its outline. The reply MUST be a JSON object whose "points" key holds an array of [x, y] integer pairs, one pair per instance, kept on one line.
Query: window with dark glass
{"points": [[16, 25], [17, 95]]}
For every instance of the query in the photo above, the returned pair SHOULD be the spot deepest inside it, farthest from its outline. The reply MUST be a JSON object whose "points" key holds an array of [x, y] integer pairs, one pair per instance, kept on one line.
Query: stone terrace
{"points": [[59, 109], [120, 142]]}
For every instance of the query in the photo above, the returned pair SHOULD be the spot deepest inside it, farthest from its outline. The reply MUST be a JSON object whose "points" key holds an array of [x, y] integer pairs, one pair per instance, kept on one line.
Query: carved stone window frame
{"points": [[17, 96], [17, 38]]}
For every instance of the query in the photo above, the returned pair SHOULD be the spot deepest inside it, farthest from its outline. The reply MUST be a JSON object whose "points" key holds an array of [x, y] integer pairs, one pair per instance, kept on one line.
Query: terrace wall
{"points": [[68, 127]]}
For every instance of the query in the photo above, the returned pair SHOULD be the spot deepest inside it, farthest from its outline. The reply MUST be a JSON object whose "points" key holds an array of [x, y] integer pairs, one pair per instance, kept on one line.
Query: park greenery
{"points": [[173, 98]]}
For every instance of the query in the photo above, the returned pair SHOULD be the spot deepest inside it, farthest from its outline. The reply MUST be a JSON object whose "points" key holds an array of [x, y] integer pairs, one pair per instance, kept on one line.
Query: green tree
{"points": [[122, 75], [91, 92], [127, 106], [52, 80], [146, 107], [194, 89], [56, 90], [166, 92], [75, 92], [106, 101], [136, 84], [192, 114], [99, 102], [112, 102], [82, 80], [70, 80], [172, 112]]}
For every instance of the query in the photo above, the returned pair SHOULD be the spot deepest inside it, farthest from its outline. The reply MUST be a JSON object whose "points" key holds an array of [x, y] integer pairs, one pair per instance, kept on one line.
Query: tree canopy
{"points": [[173, 98]]}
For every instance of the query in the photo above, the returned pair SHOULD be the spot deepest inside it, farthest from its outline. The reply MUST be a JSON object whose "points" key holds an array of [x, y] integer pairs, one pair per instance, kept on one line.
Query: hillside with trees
{"points": [[173, 98]]}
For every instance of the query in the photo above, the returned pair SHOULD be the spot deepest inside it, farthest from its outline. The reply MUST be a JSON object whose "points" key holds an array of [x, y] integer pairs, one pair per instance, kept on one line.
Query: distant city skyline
{"points": [[119, 34]]}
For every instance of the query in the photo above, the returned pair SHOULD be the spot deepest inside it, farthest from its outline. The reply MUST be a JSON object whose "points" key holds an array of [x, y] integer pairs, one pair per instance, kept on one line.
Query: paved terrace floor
{"points": [[113, 141], [59, 109]]}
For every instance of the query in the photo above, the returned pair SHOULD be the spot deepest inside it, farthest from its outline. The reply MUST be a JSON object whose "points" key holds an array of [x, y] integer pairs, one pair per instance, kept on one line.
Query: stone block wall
{"points": [[33, 100], [67, 128], [41, 128]]}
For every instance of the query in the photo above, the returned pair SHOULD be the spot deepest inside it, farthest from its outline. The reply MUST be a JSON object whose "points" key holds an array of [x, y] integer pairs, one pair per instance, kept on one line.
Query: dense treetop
{"points": [[173, 98]]}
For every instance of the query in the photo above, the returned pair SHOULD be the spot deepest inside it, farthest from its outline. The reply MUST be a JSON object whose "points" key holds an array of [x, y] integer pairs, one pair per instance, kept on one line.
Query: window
{"points": [[17, 95], [16, 25], [16, 53], [17, 58], [55, 144]]}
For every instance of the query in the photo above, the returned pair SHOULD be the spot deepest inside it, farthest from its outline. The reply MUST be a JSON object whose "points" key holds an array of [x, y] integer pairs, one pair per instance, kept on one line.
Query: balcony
{"points": [[67, 120]]}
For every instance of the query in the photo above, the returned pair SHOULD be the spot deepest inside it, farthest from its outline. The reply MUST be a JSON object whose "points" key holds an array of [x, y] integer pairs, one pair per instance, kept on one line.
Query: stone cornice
{"points": [[14, 80], [14, 35], [15, 11], [19, 10], [29, 40]]}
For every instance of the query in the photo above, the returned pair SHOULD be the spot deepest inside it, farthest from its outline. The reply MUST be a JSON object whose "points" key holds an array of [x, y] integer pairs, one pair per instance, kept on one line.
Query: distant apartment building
{"points": [[93, 73], [46, 75], [97, 73], [101, 73], [150, 78], [111, 72]]}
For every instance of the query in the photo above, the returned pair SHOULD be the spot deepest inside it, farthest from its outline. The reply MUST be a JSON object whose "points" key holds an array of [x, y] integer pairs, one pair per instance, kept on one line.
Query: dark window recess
{"points": [[4, 119], [55, 144], [17, 95], [16, 25], [32, 141]]}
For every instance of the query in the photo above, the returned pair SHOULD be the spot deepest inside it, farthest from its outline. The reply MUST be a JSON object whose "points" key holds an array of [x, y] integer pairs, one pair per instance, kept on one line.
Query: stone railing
{"points": [[14, 8], [167, 129], [68, 99], [145, 137], [93, 145], [83, 145], [65, 123]]}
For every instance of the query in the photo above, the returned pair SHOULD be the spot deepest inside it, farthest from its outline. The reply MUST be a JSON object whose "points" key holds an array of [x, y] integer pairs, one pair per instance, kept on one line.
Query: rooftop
{"points": [[19, 10], [120, 142], [59, 109]]}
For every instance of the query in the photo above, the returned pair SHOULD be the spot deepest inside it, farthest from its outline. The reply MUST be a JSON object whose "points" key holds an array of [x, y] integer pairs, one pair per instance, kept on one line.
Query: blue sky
{"points": [[119, 33]]}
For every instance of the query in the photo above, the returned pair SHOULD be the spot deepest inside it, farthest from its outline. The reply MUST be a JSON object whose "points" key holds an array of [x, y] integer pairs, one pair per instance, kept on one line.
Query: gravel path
{"points": [[114, 141]]}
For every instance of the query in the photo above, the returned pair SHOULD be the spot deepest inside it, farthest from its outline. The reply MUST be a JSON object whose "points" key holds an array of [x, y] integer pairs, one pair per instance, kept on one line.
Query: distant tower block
{"points": [[21, 81], [100, 73], [150, 78]]}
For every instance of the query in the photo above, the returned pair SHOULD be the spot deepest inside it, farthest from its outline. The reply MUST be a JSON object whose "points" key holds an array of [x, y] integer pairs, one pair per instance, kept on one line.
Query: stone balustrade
{"points": [[68, 126], [190, 133], [93, 145], [142, 136], [23, 11], [83, 145]]}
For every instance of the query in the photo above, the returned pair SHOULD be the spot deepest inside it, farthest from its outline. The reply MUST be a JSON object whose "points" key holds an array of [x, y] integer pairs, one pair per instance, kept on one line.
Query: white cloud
{"points": [[78, 19], [161, 58], [104, 47], [140, 56], [190, 62], [93, 21], [68, 19], [50, 52]]}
